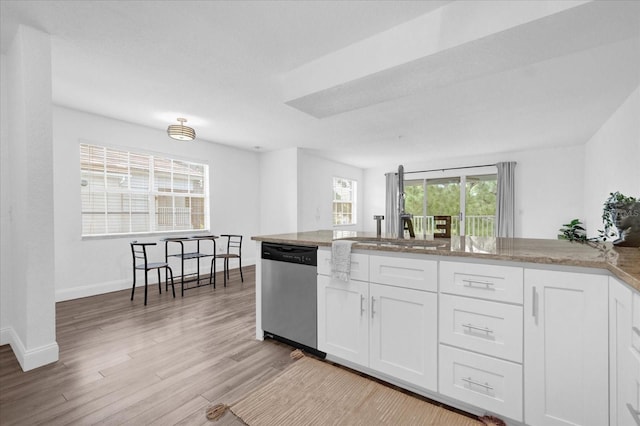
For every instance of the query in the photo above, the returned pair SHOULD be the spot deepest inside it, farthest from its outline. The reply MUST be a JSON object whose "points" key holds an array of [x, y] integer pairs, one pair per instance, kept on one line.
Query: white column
{"points": [[30, 325]]}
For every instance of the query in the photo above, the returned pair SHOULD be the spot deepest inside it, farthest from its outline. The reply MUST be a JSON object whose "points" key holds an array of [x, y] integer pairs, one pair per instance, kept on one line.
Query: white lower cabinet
{"points": [[482, 326], [624, 359], [632, 400], [565, 349], [540, 347], [404, 334], [343, 323], [483, 381], [388, 328]]}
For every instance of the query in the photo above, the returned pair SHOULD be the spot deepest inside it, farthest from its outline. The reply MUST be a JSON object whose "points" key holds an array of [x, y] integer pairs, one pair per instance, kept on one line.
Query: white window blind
{"points": [[344, 201], [131, 193]]}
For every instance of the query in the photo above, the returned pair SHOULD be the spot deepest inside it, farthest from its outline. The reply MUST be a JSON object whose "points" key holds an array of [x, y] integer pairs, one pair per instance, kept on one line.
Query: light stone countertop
{"points": [[622, 262]]}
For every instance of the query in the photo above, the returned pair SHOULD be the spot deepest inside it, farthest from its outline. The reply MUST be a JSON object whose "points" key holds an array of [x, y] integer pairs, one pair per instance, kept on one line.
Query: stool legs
{"points": [[134, 284], [173, 289], [212, 272], [226, 270], [146, 281]]}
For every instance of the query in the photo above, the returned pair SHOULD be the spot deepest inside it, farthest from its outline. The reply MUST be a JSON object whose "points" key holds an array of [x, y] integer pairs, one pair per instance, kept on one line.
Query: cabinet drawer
{"points": [[359, 265], [418, 274], [485, 382], [488, 327], [493, 282]]}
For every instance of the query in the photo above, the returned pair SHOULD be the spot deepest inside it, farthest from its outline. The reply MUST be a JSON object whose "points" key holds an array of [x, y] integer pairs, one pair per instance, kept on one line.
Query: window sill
{"points": [[145, 234]]}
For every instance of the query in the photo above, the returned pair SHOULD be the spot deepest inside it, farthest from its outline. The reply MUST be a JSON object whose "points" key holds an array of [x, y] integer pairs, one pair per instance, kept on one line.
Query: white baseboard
{"points": [[32, 358], [92, 290], [109, 286]]}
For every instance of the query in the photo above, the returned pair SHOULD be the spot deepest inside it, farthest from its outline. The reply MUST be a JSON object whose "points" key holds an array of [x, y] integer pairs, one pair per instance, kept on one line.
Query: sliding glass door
{"points": [[480, 205], [470, 201]]}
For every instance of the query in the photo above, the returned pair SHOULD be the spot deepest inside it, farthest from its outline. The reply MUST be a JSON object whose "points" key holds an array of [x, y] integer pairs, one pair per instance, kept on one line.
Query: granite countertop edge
{"points": [[623, 262]]}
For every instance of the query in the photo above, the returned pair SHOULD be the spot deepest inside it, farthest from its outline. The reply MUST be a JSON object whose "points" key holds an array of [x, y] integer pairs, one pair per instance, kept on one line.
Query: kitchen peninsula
{"points": [[623, 262], [535, 331]]}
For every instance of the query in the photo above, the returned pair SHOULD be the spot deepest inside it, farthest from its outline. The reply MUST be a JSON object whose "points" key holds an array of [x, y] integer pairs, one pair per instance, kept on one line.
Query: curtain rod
{"points": [[449, 168]]}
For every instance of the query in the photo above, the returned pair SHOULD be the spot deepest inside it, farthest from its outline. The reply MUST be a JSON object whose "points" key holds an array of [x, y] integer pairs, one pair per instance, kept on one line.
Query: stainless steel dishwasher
{"points": [[289, 294]]}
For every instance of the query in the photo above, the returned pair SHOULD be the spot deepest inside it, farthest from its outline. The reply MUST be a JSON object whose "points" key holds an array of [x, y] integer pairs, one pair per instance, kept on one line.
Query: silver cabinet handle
{"points": [[361, 304], [488, 284], [483, 329], [635, 414], [470, 381], [636, 330], [373, 300], [534, 304]]}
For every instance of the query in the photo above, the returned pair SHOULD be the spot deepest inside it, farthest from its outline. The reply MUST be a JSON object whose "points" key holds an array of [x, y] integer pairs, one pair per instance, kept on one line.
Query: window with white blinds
{"points": [[344, 201], [132, 193]]}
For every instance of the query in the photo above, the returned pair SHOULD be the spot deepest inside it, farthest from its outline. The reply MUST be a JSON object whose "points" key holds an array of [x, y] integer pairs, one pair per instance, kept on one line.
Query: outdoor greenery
{"points": [[443, 197]]}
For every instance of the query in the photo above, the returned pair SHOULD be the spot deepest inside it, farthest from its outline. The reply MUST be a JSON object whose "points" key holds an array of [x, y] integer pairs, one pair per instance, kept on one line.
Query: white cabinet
{"points": [[490, 383], [494, 282], [343, 323], [404, 318], [388, 325], [404, 339], [481, 336], [416, 273], [541, 347], [624, 359], [359, 265], [565, 348], [632, 402], [482, 326]]}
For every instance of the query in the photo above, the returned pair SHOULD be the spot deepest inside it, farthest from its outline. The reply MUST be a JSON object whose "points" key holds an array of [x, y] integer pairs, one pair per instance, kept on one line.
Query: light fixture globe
{"points": [[180, 131]]}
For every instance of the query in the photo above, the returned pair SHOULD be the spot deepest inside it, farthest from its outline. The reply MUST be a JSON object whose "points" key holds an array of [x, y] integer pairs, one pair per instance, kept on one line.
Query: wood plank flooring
{"points": [[125, 363]]}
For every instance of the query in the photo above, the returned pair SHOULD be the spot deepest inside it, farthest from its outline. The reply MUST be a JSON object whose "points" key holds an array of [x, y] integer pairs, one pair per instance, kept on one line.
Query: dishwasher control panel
{"points": [[304, 255]]}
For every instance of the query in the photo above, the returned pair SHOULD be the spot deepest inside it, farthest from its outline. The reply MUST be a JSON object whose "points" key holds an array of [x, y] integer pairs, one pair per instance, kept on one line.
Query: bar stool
{"points": [[234, 251], [139, 253]]}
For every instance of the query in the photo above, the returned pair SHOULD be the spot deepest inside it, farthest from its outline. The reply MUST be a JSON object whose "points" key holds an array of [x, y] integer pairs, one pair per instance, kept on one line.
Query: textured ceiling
{"points": [[224, 65]]}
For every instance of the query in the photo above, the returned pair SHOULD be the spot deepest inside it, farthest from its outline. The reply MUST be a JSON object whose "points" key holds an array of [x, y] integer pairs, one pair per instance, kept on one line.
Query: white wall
{"points": [[612, 161], [296, 191], [315, 194], [91, 266], [6, 242], [549, 187], [279, 191]]}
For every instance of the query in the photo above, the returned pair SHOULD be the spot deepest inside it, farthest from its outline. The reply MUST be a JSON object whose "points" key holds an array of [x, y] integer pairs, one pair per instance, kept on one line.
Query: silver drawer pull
{"points": [[635, 414], [636, 330], [483, 329], [474, 283], [361, 304], [473, 382]]}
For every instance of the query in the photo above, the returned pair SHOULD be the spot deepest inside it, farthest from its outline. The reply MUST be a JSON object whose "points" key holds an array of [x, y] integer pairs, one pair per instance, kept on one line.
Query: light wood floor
{"points": [[125, 363]]}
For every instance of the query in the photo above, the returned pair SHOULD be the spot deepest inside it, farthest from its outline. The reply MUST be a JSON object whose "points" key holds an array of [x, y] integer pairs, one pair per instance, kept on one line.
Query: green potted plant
{"points": [[573, 231], [621, 219]]}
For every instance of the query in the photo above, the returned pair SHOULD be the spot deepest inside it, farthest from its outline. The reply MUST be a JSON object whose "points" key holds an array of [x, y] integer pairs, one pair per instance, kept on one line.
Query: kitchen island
{"points": [[535, 331]]}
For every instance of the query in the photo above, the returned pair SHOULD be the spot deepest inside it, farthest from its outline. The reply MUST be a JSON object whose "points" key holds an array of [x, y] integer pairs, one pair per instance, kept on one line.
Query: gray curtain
{"points": [[505, 200], [391, 204]]}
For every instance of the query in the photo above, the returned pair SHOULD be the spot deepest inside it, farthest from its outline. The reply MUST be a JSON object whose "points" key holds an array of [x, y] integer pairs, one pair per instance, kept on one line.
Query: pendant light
{"points": [[180, 131]]}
